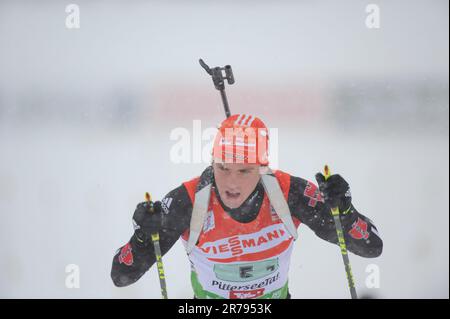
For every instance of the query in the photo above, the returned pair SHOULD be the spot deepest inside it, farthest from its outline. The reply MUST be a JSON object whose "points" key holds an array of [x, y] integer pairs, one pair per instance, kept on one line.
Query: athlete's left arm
{"points": [[312, 207]]}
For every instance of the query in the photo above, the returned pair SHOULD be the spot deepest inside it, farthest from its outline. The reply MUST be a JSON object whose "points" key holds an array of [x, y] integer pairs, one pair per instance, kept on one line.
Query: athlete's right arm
{"points": [[132, 260]]}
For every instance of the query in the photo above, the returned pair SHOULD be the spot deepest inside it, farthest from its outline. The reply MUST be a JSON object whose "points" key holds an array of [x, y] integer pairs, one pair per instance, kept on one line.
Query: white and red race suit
{"points": [[244, 252], [241, 260]]}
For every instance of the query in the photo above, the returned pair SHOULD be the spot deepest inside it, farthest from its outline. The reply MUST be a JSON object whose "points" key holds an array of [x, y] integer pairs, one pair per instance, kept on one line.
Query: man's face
{"points": [[235, 182]]}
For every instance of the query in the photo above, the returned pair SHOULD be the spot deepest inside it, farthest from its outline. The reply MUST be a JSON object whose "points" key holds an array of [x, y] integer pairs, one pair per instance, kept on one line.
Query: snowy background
{"points": [[86, 117]]}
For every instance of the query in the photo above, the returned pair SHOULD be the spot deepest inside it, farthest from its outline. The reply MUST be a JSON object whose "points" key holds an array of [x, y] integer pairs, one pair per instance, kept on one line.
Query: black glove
{"points": [[335, 191], [147, 219]]}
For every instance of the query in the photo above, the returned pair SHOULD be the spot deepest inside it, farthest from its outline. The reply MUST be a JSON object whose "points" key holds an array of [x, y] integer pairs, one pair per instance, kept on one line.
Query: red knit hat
{"points": [[242, 139]]}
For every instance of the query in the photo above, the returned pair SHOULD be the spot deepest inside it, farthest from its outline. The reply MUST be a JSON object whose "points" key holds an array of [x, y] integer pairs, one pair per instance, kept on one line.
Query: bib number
{"points": [[246, 271]]}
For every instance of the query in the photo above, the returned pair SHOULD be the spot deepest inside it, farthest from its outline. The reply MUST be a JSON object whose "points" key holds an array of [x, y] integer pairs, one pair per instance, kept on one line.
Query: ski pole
{"points": [[158, 255], [340, 234]]}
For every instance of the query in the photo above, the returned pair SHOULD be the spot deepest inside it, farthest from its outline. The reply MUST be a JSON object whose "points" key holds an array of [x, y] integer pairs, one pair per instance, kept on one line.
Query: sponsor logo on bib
{"points": [[268, 238], [235, 294]]}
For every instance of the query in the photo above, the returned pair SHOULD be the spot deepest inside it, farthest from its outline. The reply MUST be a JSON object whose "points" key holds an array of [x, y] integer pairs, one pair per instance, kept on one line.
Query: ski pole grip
{"points": [[148, 198], [326, 172]]}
